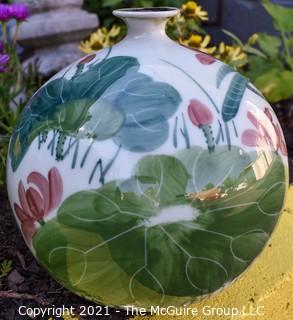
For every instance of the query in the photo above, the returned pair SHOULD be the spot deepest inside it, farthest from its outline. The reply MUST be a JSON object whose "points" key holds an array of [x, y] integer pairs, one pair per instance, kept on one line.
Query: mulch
{"points": [[29, 285]]}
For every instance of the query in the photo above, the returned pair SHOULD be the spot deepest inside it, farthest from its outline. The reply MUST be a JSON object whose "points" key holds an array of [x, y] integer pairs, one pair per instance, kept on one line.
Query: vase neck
{"points": [[146, 22]]}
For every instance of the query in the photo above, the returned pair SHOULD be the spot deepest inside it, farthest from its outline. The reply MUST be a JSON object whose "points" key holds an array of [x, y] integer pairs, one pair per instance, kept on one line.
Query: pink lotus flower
{"points": [[199, 114], [19, 11], [38, 201], [205, 59], [266, 133]]}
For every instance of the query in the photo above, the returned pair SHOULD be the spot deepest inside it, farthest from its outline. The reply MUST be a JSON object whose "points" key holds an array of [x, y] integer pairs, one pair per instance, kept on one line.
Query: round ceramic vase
{"points": [[147, 174]]}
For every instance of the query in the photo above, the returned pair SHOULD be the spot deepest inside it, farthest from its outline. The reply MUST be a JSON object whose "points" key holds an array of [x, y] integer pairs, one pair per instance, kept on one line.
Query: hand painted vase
{"points": [[147, 174]]}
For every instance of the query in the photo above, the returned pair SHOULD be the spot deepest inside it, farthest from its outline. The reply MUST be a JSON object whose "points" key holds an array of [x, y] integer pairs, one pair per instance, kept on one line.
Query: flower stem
{"points": [[16, 33], [4, 32], [208, 132]]}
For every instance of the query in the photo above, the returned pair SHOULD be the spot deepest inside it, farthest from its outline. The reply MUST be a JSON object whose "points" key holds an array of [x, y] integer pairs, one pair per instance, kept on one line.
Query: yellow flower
{"points": [[199, 43], [100, 39], [66, 316], [232, 55], [252, 39], [192, 9]]}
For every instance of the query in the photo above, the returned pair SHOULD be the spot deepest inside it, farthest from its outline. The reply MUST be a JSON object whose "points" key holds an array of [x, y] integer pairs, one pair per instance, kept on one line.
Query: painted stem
{"points": [[103, 171], [235, 129], [220, 134], [86, 154], [60, 146], [197, 83], [228, 135], [175, 139], [185, 133], [208, 132]]}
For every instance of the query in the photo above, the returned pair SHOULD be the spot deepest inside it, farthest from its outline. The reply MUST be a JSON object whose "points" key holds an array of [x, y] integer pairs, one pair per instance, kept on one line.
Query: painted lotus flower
{"points": [[202, 117], [42, 196], [199, 114], [267, 133], [205, 58]]}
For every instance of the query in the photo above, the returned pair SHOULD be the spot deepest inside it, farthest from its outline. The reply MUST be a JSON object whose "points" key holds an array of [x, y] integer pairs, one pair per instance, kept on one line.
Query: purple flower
{"points": [[4, 61], [5, 13], [19, 11]]}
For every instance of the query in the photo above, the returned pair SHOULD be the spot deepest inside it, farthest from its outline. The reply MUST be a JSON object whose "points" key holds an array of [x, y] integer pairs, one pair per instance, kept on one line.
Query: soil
{"points": [[34, 287]]}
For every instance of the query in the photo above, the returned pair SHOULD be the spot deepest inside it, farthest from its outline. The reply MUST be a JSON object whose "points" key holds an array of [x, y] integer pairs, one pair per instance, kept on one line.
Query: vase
{"points": [[147, 174]]}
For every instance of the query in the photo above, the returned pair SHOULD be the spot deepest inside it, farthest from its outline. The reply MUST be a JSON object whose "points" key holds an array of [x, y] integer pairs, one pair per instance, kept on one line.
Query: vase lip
{"points": [[147, 12]]}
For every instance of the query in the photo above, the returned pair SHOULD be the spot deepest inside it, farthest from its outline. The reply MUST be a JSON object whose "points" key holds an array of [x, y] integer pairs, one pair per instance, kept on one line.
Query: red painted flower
{"points": [[266, 133], [204, 58], [38, 200], [199, 114]]}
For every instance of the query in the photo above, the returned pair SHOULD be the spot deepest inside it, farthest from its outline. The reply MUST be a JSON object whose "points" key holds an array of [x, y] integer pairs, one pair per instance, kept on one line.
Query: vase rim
{"points": [[147, 12]]}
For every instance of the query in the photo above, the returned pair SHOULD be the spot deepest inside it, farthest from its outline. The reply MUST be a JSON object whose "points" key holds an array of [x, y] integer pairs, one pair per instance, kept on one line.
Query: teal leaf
{"points": [[222, 73], [234, 97], [94, 82], [147, 105]]}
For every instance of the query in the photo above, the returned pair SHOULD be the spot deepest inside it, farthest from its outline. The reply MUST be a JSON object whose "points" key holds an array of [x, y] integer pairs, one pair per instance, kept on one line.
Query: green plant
{"points": [[270, 57], [5, 268], [17, 83]]}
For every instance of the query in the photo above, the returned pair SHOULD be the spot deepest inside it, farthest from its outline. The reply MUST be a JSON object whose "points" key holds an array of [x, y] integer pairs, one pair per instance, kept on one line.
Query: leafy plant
{"points": [[269, 62], [17, 84], [5, 268]]}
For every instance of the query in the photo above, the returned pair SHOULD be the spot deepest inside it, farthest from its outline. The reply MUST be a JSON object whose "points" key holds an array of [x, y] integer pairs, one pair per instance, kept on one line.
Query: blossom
{"points": [[192, 9], [4, 61], [205, 58], [198, 42], [100, 39], [267, 133], [19, 11], [5, 13], [232, 55], [38, 200], [199, 114]]}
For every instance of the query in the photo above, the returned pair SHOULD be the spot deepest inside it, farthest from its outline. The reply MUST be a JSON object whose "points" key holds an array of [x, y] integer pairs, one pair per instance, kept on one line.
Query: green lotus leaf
{"points": [[61, 96], [153, 243], [147, 105]]}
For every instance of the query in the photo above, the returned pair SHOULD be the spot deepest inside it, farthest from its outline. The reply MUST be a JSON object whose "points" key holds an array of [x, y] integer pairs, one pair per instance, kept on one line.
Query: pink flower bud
{"points": [[199, 114]]}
